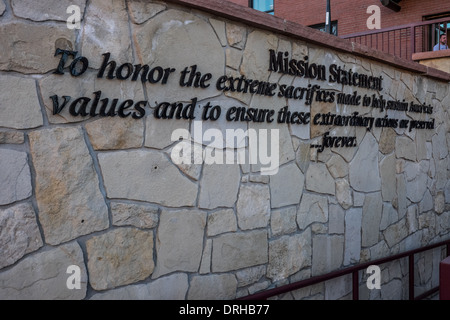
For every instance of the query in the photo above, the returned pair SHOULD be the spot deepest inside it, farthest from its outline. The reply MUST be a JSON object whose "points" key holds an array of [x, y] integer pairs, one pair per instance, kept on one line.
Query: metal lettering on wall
{"points": [[280, 62]]}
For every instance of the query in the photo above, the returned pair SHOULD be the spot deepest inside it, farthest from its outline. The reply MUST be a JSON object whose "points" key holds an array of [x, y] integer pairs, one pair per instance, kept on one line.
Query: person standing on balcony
{"points": [[442, 45]]}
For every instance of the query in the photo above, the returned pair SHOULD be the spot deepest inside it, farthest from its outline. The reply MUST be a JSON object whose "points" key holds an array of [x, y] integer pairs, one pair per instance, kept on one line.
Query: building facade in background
{"points": [[360, 17], [351, 16]]}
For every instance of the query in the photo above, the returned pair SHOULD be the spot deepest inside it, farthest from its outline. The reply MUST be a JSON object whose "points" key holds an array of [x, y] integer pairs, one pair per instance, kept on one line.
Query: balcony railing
{"points": [[402, 41], [354, 271]]}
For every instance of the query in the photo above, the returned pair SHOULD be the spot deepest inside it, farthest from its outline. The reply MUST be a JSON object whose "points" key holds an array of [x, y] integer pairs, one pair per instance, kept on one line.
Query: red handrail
{"points": [[355, 279]]}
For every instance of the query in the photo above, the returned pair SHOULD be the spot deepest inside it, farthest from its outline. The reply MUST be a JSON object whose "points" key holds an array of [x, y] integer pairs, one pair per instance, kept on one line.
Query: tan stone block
{"points": [[286, 187], [142, 10], [387, 140], [233, 251], [162, 41], [66, 186], [313, 208], [148, 175], [256, 55], [179, 241], [19, 233], [20, 104], [327, 253], [173, 287], [45, 10], [44, 276], [140, 216], [289, 254], [13, 137], [220, 185], [119, 257], [31, 48], [106, 22], [15, 176], [253, 206], [236, 35], [213, 287], [116, 133]]}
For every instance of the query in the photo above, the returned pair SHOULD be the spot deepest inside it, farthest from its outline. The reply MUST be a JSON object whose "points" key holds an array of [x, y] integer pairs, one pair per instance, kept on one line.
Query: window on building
{"points": [[262, 5], [321, 27]]}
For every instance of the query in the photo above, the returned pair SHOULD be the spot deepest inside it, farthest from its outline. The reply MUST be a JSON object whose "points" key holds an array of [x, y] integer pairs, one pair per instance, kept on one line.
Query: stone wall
{"points": [[435, 59], [81, 187]]}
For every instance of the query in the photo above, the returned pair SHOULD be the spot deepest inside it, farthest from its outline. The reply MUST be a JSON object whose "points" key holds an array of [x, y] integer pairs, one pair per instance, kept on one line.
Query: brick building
{"points": [[351, 17]]}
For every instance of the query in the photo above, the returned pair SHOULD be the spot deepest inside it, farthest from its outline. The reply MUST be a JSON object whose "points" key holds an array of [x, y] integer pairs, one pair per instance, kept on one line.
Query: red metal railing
{"points": [[402, 41], [355, 276]]}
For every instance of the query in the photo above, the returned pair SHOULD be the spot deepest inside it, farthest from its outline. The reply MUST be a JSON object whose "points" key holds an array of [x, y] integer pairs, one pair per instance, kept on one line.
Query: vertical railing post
{"points": [[388, 42], [411, 276], [446, 30], [413, 41], [355, 282], [395, 40], [433, 35], [444, 279]]}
